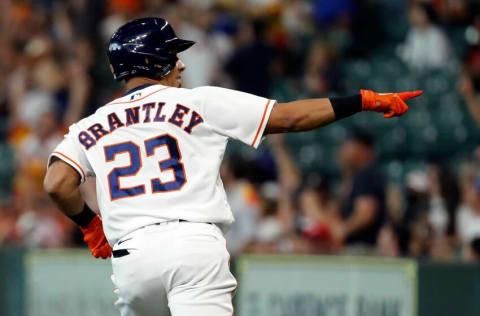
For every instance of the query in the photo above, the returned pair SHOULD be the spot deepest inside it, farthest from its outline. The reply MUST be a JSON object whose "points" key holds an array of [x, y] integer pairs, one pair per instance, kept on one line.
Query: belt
{"points": [[124, 252], [120, 253]]}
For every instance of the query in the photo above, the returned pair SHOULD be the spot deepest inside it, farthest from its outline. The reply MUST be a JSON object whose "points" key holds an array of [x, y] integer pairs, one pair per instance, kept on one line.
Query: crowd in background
{"points": [[54, 70]]}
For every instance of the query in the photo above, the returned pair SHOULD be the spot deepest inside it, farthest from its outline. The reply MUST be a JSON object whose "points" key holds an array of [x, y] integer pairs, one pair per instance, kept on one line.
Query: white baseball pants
{"points": [[173, 268]]}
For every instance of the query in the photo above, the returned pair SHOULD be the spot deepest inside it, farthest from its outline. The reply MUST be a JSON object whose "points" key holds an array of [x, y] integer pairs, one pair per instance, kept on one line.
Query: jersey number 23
{"points": [[172, 163]]}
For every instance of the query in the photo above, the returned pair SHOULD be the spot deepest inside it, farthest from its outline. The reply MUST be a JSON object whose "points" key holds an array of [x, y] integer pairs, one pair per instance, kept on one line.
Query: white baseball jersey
{"points": [[156, 153]]}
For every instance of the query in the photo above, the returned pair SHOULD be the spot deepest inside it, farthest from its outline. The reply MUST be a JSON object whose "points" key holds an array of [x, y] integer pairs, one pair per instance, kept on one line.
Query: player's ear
{"points": [[181, 66]]}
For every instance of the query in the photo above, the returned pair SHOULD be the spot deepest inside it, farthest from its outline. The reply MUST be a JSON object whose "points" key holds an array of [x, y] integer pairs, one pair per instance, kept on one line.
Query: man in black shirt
{"points": [[363, 211]]}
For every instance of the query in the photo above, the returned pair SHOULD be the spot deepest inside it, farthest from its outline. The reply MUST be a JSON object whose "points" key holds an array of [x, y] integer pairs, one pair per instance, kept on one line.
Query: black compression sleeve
{"points": [[83, 218], [346, 106]]}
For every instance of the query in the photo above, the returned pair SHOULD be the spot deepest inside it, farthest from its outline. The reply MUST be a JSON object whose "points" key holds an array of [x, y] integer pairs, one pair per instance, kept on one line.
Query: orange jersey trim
{"points": [[140, 98], [72, 161], [261, 123]]}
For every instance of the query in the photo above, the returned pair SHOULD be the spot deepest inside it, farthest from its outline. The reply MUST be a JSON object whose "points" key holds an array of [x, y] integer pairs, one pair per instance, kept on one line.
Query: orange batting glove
{"points": [[95, 238], [390, 104]]}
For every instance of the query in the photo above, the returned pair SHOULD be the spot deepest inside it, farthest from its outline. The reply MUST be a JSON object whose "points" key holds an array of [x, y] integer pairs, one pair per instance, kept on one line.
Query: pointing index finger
{"points": [[409, 94]]}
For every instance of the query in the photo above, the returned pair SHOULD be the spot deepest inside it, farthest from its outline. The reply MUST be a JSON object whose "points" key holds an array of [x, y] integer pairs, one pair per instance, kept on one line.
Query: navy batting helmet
{"points": [[145, 47]]}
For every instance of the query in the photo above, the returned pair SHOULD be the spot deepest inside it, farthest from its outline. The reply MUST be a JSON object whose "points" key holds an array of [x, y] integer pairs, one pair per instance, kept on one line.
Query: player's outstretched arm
{"points": [[61, 184], [304, 115]]}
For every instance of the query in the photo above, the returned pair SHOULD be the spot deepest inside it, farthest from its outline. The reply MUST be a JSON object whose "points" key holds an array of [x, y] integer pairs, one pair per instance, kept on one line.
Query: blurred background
{"points": [[404, 188]]}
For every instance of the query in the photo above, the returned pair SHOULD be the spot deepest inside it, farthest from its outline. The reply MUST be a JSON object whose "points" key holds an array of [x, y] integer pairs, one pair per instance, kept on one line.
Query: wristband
{"points": [[346, 106], [83, 218]]}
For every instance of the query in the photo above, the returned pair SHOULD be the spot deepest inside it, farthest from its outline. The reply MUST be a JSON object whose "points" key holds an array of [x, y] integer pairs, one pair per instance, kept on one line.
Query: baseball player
{"points": [[155, 153]]}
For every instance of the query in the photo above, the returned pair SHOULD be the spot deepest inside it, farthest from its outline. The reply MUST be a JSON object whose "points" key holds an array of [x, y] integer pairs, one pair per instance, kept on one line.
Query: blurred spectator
{"points": [[432, 200], [469, 83], [468, 214], [245, 204], [415, 221], [334, 18], [211, 50], [363, 211], [296, 19], [269, 229], [250, 64], [35, 104], [416, 195], [444, 198], [394, 240], [313, 212], [41, 227], [387, 242], [321, 75], [318, 212], [426, 46], [276, 223], [33, 152], [443, 194]]}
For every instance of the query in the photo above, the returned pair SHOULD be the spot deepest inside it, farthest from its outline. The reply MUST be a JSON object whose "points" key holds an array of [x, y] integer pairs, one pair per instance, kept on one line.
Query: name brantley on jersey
{"points": [[148, 113]]}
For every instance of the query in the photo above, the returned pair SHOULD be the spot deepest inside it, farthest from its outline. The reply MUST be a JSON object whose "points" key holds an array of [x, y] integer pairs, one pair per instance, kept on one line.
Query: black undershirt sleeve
{"points": [[346, 106], [83, 218]]}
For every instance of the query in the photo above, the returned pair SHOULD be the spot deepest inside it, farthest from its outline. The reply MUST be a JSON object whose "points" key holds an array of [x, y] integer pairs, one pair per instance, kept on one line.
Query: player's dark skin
{"points": [[62, 180]]}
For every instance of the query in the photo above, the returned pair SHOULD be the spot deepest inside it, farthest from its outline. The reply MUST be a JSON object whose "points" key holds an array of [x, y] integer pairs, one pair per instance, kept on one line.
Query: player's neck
{"points": [[139, 81]]}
